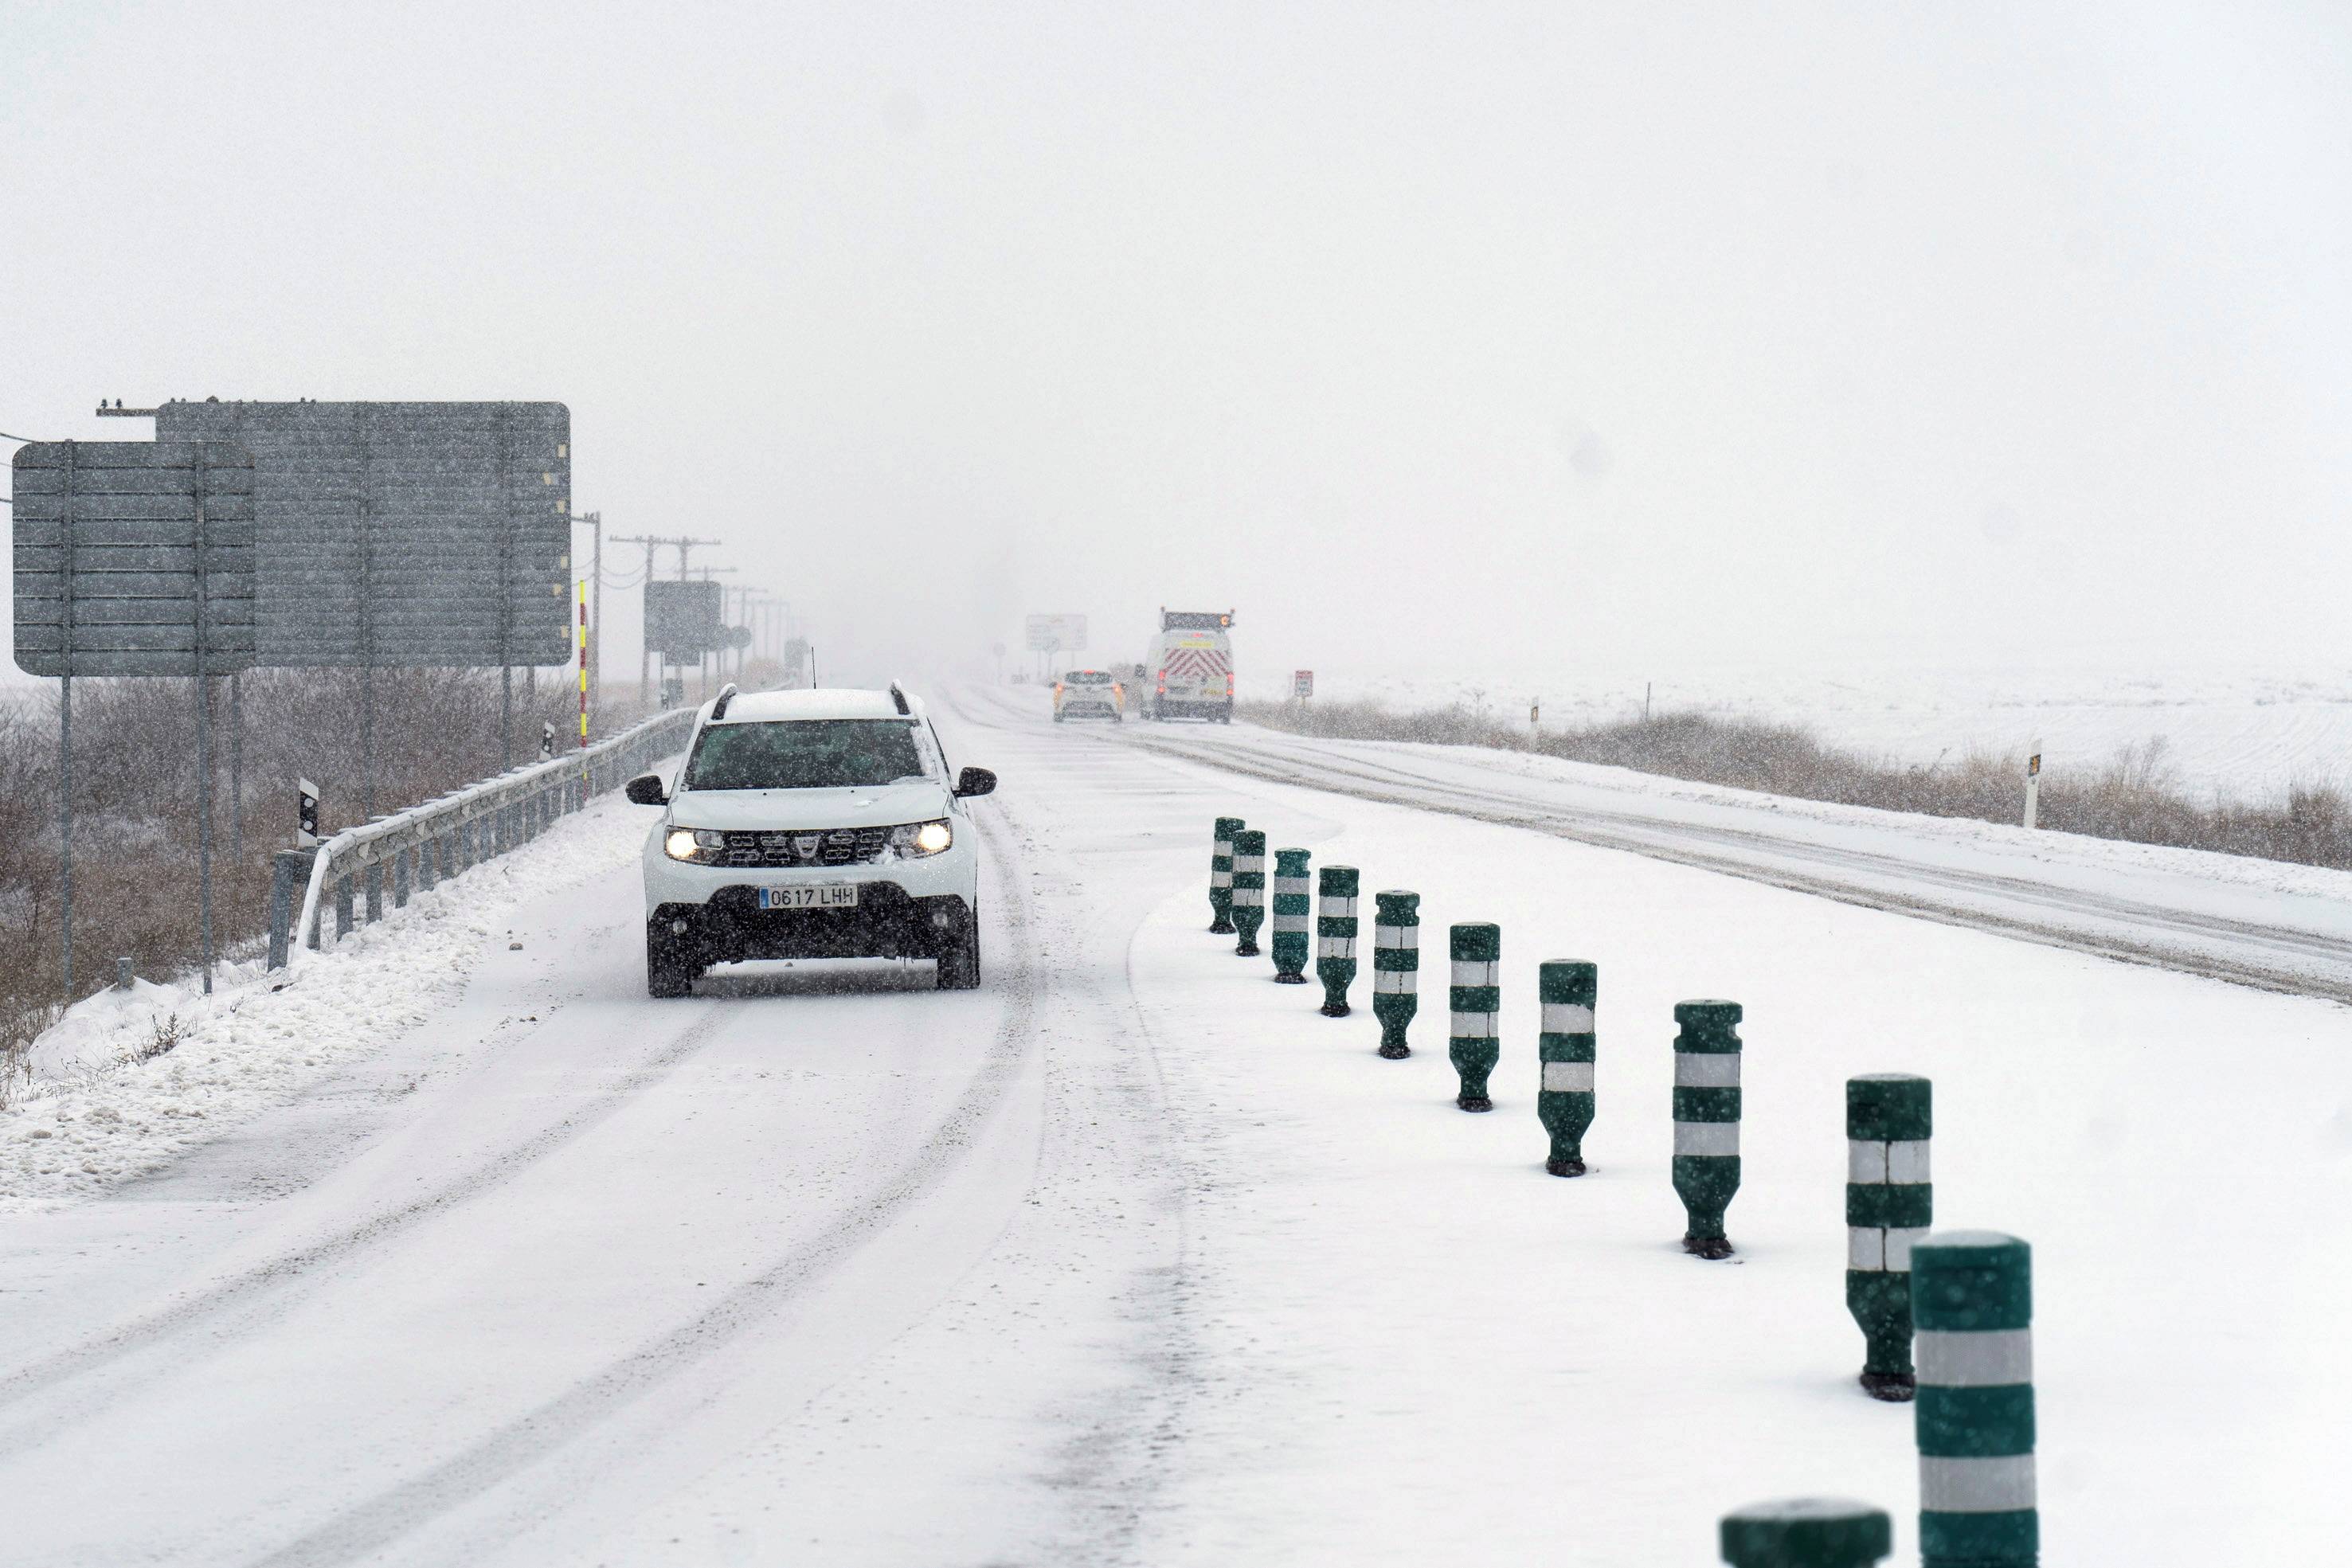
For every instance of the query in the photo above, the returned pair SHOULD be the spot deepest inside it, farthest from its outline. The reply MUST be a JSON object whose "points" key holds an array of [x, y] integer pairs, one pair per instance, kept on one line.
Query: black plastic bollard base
{"points": [[1396, 1052], [1565, 1166], [1290, 979], [1221, 928], [1472, 1102], [1245, 950], [1713, 1248], [1895, 1387], [1333, 1010]]}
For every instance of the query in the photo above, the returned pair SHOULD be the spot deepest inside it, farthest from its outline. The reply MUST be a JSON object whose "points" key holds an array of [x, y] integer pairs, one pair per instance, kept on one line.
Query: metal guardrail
{"points": [[427, 845]]}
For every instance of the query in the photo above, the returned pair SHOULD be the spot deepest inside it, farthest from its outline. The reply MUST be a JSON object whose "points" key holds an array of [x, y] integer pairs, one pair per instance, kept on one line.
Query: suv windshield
{"points": [[804, 754]]}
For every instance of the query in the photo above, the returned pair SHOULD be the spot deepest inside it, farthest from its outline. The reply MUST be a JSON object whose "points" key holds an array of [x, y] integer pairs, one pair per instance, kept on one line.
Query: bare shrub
{"points": [[161, 1040], [2134, 798], [136, 795]]}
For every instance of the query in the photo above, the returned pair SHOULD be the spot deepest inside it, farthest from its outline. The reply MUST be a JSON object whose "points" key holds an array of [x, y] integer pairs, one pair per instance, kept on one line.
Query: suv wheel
{"points": [[959, 956], [668, 972]]}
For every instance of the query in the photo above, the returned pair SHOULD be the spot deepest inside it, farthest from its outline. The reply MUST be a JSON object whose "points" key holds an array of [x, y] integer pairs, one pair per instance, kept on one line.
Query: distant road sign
{"points": [[403, 534], [1056, 634], [684, 621], [132, 557], [1302, 683]]}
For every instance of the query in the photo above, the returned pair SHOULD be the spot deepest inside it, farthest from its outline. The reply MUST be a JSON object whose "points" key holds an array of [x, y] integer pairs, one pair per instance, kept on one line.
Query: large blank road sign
{"points": [[137, 555], [684, 619], [420, 534], [1058, 633]]}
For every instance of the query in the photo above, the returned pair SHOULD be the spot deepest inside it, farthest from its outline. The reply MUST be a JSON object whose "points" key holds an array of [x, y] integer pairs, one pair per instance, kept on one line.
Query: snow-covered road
{"points": [[1129, 1257], [2257, 922]]}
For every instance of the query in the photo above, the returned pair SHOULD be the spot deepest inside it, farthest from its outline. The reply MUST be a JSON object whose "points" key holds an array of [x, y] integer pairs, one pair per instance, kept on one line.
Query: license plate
{"points": [[828, 895]]}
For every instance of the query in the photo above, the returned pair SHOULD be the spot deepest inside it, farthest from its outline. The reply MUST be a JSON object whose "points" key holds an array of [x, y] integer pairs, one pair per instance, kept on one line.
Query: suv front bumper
{"points": [[889, 923]]}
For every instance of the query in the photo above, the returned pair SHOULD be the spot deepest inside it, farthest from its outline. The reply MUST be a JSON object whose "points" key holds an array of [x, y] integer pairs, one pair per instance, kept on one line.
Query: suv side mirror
{"points": [[646, 790], [974, 781]]}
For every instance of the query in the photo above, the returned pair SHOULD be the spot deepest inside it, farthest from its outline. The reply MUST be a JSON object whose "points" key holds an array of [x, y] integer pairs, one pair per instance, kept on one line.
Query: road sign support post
{"points": [[1567, 990], [1889, 1207], [1473, 1040], [204, 689], [1335, 936], [1396, 967], [1706, 1121], [1294, 917], [2033, 786], [1972, 1305]]}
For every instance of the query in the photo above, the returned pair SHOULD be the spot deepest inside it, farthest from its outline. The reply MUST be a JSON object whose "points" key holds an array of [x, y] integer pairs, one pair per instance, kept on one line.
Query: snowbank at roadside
{"points": [[129, 1080]]}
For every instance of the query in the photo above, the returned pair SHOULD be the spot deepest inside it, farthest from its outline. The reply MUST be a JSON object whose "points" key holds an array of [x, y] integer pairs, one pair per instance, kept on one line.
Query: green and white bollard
{"points": [[1221, 877], [1335, 936], [1567, 1047], [1972, 1305], [1249, 890], [1807, 1532], [1474, 1042], [1889, 1206], [1396, 967], [1706, 1121], [1294, 917]]}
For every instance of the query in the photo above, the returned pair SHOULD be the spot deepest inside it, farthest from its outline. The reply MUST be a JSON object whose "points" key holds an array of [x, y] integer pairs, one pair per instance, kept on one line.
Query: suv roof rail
{"points": [[726, 695], [899, 697]]}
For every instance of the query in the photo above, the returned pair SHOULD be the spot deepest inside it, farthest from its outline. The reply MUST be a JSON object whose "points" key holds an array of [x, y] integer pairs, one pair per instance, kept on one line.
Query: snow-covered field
{"points": [[1132, 1258], [2249, 734]]}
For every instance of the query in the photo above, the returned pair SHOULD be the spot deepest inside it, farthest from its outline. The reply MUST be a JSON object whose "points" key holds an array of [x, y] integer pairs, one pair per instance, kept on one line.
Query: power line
{"points": [[25, 439]]}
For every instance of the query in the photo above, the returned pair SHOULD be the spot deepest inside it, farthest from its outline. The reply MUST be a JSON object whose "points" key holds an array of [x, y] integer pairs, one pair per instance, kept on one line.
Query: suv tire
{"points": [[668, 971], [958, 955]]}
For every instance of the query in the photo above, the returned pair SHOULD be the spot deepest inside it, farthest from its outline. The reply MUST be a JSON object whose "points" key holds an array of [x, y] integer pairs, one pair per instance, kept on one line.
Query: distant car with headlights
{"points": [[811, 824], [1089, 693]]}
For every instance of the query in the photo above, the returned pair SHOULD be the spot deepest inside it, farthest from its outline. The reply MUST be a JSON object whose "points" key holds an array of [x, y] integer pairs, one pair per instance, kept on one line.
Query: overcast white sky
{"points": [[1623, 335]]}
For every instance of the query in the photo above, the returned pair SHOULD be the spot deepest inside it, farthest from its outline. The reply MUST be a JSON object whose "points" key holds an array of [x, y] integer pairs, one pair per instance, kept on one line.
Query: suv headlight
{"points": [[693, 844], [916, 839]]}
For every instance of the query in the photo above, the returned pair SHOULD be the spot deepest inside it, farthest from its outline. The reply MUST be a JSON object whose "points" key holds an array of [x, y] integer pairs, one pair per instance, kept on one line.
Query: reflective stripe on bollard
{"points": [[1889, 1206], [1972, 1311], [1249, 890], [1396, 966], [1706, 1121], [1294, 916], [1335, 936], [1567, 991], [1474, 1042]]}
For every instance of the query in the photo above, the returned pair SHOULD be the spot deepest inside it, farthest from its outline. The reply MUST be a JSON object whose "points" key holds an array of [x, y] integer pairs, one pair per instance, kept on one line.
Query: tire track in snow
{"points": [[269, 1288], [369, 1528]]}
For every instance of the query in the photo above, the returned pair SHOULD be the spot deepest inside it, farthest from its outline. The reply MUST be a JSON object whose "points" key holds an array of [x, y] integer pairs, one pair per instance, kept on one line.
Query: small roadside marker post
{"points": [[2034, 785], [1474, 1042], [1335, 936], [1972, 1301], [1889, 1206], [1396, 967], [1706, 1121], [1294, 917], [1567, 1048], [1807, 1532], [1221, 877], [1249, 890]]}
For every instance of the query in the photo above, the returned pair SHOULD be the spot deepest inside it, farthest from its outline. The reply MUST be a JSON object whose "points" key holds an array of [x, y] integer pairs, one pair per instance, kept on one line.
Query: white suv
{"points": [[811, 824]]}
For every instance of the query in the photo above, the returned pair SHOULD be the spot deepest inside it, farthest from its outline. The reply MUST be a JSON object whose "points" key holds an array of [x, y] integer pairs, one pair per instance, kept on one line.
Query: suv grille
{"points": [[836, 846]]}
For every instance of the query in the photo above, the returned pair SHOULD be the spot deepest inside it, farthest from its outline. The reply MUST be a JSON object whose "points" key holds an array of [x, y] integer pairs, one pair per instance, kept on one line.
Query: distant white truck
{"points": [[1189, 669]]}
